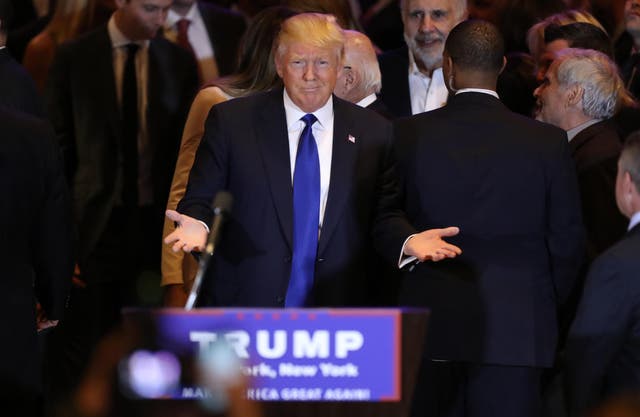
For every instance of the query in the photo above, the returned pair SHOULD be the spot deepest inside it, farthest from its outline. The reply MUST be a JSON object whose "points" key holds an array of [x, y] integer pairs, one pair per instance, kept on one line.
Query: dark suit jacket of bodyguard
{"points": [[603, 349], [35, 247], [245, 150], [83, 106], [509, 183]]}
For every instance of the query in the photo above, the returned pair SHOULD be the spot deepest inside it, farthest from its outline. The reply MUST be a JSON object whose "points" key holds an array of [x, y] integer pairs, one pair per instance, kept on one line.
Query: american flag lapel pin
{"points": [[351, 139]]}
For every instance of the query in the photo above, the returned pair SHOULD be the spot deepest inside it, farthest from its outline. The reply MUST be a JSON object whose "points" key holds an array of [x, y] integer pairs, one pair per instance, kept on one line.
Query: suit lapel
{"points": [[343, 161], [273, 141]]}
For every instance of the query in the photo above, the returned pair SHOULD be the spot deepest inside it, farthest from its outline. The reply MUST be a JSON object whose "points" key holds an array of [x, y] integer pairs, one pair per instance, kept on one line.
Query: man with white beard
{"points": [[412, 75]]}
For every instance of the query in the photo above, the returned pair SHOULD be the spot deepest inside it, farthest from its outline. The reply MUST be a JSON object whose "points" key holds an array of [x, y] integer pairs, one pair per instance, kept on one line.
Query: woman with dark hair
{"points": [[256, 72]]}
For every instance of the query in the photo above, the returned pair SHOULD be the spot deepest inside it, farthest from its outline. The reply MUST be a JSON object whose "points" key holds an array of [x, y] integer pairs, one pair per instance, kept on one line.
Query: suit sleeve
{"points": [[53, 241], [597, 333], [565, 230], [209, 172], [391, 227], [603, 221], [172, 262], [60, 109]]}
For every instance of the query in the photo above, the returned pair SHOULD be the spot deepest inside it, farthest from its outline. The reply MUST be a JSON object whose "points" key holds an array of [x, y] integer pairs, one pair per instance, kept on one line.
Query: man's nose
{"points": [[309, 72], [427, 24]]}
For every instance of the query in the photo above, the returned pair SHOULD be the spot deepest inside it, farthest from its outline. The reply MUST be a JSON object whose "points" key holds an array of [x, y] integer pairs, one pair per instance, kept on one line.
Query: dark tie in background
{"points": [[306, 213], [130, 127], [631, 74], [182, 26]]}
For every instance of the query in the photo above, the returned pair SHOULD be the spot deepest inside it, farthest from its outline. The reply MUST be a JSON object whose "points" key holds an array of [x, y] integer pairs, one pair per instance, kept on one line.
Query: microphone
{"points": [[221, 207]]}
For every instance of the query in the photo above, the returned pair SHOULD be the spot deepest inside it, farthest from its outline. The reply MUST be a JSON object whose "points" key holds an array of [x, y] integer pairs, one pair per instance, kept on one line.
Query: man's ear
{"points": [[349, 77], [574, 95], [504, 64]]}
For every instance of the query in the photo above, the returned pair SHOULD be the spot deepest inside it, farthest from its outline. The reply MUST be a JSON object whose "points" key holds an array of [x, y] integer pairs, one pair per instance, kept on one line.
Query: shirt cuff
{"points": [[405, 260], [207, 227]]}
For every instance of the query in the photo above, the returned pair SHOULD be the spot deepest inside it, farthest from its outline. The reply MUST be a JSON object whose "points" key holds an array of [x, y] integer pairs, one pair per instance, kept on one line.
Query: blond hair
{"points": [[315, 29]]}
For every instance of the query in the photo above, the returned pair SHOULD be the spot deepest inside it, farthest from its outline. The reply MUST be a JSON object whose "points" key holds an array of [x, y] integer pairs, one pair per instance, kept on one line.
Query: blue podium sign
{"points": [[296, 354]]}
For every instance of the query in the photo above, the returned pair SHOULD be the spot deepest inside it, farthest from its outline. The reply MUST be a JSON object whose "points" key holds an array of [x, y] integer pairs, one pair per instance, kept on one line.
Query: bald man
{"points": [[360, 80]]}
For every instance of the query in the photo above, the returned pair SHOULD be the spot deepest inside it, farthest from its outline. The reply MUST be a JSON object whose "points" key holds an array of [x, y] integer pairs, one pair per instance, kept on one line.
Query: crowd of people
{"points": [[480, 159]]}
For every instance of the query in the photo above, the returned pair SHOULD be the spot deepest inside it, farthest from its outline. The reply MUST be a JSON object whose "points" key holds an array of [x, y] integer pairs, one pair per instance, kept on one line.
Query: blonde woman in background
{"points": [[70, 19]]}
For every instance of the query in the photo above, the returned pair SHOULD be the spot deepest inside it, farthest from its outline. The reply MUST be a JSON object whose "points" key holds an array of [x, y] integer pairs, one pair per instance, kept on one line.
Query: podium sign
{"points": [[296, 354]]}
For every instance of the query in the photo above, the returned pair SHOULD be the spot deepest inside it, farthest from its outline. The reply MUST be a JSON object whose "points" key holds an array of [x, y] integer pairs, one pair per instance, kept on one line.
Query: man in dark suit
{"points": [[359, 81], [118, 98], [580, 93], [35, 251], [306, 244], [412, 79], [603, 348], [510, 185], [212, 34]]}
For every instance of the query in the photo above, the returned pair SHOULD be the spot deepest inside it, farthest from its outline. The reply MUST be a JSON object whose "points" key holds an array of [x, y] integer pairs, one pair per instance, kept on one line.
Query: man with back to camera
{"points": [[312, 177], [509, 182], [412, 79]]}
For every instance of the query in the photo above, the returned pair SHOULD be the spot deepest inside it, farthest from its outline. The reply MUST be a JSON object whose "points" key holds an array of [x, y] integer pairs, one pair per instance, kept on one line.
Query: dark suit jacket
{"points": [[225, 29], [595, 151], [35, 246], [394, 68], [603, 349], [82, 104], [17, 89], [509, 183], [245, 150], [379, 107]]}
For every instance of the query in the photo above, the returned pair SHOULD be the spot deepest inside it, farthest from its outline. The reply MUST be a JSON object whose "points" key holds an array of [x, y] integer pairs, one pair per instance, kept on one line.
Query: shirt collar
{"points": [[367, 100], [478, 90], [635, 220], [118, 39], [572, 133], [294, 113], [173, 17]]}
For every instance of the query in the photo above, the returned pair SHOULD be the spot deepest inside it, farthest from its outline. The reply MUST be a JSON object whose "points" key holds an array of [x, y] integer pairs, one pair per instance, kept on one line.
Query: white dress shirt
{"points": [[427, 93], [198, 38], [119, 43], [367, 100], [197, 32], [322, 133], [635, 219]]}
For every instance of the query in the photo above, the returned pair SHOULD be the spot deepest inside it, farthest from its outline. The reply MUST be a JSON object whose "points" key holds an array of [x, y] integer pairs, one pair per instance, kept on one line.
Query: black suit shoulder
{"points": [[596, 144], [17, 88]]}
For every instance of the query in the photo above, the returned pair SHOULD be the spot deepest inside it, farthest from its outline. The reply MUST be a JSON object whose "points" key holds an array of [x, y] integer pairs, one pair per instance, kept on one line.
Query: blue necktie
{"points": [[306, 213]]}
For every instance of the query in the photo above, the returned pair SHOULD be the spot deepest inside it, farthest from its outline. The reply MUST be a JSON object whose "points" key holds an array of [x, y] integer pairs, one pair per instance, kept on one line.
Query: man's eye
{"points": [[418, 15], [438, 14]]}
